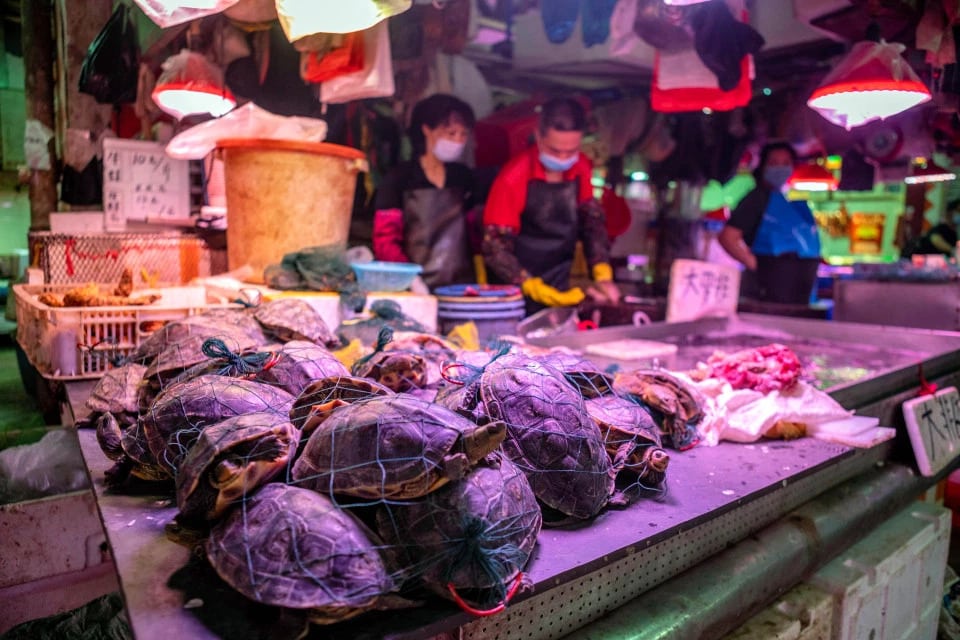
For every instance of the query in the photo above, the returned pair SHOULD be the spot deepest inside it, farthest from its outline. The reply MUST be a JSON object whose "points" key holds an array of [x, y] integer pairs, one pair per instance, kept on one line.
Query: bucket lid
{"points": [[271, 144], [483, 307]]}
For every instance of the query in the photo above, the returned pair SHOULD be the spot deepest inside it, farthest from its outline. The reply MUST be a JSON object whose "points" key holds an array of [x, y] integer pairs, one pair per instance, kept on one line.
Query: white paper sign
{"points": [[140, 182], [702, 290], [933, 423]]}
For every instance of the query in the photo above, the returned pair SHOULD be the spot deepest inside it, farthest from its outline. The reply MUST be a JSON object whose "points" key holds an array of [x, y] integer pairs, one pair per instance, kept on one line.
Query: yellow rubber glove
{"points": [[539, 291], [602, 272]]}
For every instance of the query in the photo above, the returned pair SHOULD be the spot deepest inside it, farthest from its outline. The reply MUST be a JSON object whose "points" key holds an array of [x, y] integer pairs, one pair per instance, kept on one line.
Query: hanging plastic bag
{"points": [[109, 70], [167, 13], [300, 18], [376, 78], [248, 121], [346, 58]]}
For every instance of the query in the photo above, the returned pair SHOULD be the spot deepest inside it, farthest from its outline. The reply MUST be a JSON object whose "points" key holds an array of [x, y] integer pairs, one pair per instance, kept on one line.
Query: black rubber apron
{"points": [[435, 236], [548, 233]]}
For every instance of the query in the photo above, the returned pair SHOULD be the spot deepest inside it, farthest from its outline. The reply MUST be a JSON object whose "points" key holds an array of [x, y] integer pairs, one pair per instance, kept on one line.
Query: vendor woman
{"points": [[422, 205], [540, 205], [775, 239]]}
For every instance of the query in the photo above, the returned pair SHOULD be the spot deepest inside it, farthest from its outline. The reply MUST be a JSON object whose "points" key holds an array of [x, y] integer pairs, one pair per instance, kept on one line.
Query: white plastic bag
{"points": [[301, 18], [52, 465], [248, 121], [376, 78], [167, 13], [622, 36]]}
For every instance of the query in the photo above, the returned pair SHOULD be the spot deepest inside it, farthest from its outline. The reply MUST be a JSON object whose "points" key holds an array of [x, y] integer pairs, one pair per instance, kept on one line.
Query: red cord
{"points": [[926, 388], [446, 376], [487, 612]]}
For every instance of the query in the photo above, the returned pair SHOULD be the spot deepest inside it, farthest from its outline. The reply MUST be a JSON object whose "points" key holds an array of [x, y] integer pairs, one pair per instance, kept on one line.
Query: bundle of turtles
{"points": [[334, 490]]}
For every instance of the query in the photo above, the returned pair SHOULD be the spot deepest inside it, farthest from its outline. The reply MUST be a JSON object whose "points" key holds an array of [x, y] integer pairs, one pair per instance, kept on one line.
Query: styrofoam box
{"points": [[889, 585], [82, 342], [803, 613]]}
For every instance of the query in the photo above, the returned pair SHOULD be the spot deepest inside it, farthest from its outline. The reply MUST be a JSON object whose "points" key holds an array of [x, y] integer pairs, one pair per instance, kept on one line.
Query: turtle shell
{"points": [[676, 407], [318, 400], [398, 370], [293, 319], [394, 447], [231, 460], [182, 355], [299, 363], [476, 533], [291, 547], [631, 438], [136, 458], [180, 413], [550, 436], [581, 373], [116, 392], [211, 323]]}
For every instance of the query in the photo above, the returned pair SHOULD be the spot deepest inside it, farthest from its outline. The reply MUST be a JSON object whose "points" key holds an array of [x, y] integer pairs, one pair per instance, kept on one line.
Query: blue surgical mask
{"points": [[553, 163], [777, 176], [447, 150]]}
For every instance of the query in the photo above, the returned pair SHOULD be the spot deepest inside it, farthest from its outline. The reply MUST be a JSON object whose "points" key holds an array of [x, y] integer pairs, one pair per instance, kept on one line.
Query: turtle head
{"points": [[484, 439]]}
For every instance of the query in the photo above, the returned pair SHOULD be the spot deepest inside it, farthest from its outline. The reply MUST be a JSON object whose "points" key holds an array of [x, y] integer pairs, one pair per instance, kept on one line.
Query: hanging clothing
{"points": [[783, 236], [417, 222]]}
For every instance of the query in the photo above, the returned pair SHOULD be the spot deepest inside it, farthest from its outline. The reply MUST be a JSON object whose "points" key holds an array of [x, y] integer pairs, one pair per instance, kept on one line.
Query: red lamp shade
{"points": [[812, 177], [929, 171], [872, 83], [191, 85]]}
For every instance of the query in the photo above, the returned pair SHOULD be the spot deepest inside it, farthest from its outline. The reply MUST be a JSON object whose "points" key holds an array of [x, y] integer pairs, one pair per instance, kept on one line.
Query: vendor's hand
{"points": [[539, 291], [606, 292], [750, 262], [419, 287]]}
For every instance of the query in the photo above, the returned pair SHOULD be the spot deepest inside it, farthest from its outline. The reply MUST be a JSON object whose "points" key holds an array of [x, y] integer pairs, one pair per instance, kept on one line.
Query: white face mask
{"points": [[447, 150]]}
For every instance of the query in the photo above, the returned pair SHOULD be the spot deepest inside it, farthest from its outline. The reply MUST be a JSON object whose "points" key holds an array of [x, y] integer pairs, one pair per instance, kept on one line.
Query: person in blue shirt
{"points": [[775, 239]]}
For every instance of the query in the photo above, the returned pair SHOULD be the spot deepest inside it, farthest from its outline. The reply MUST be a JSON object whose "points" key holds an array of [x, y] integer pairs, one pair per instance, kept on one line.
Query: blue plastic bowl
{"points": [[385, 276]]}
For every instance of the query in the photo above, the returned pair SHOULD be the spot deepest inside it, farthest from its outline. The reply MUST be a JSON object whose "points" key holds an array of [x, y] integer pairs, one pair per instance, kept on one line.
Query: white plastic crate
{"points": [[72, 343], [888, 586]]}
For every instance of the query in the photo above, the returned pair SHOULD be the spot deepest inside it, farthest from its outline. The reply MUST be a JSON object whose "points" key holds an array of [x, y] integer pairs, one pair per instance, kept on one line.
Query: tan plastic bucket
{"points": [[284, 196]]}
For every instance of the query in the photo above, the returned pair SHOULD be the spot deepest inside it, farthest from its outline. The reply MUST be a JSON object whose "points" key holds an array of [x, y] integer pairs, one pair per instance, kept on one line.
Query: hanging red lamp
{"points": [[872, 82], [191, 85], [924, 171], [812, 177]]}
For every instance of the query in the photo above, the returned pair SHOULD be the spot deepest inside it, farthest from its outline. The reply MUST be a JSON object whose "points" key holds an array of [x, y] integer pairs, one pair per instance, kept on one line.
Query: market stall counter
{"points": [[715, 497]]}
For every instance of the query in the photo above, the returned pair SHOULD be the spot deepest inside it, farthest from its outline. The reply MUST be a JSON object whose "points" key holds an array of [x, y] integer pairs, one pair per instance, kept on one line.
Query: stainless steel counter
{"points": [[717, 498]]}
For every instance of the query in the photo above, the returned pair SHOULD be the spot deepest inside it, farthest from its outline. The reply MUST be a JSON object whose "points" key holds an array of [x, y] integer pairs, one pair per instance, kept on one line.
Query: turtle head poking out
{"points": [[479, 443]]}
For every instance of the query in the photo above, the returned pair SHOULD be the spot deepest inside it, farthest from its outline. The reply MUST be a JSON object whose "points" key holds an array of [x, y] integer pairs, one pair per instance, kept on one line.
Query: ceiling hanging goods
{"points": [[559, 19], [873, 82], [192, 85], [595, 24], [169, 13], [301, 18], [812, 176]]}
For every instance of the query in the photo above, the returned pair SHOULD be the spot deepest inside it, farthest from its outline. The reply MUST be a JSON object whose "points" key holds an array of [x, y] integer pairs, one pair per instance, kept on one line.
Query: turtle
{"points": [[293, 319], [291, 547], [474, 535], [116, 392], [392, 447], [182, 411], [631, 438], [581, 373], [550, 436], [398, 370], [677, 408], [130, 450], [297, 364], [230, 461], [318, 400], [211, 323], [435, 351], [179, 356]]}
